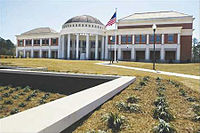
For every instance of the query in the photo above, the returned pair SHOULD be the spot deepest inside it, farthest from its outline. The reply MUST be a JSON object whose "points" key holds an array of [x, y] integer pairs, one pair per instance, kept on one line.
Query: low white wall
{"points": [[56, 116]]}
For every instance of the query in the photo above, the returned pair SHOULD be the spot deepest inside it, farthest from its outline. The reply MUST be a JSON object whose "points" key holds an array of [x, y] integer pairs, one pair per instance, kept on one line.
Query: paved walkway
{"points": [[152, 71]]}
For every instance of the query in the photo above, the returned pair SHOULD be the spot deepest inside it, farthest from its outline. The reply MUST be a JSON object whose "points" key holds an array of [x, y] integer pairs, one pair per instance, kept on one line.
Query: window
{"points": [[45, 41], [20, 43], [92, 44], [151, 38], [143, 38], [123, 39], [36, 41], [170, 38], [137, 38], [129, 37], [54, 41], [158, 38], [28, 42], [112, 39]]}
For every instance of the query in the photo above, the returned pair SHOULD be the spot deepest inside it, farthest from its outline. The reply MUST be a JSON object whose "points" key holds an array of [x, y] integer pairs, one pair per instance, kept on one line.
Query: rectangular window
{"points": [[170, 38], [37, 42], [158, 38], [129, 37], [92, 44], [45, 41], [151, 39], [143, 38], [137, 38], [123, 39], [112, 39], [28, 42], [20, 43], [54, 41]]}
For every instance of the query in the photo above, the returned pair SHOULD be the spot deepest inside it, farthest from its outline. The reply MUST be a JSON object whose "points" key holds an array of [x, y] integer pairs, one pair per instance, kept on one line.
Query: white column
{"points": [[133, 39], [32, 42], [147, 51], [63, 46], [102, 48], [16, 52], [49, 53], [40, 51], [119, 52], [178, 38], [162, 53], [162, 39], [106, 48], [24, 52], [147, 38], [68, 46], [96, 47], [32, 53], [178, 52], [119, 39], [77, 46], [87, 46], [40, 42], [133, 53], [59, 47]]}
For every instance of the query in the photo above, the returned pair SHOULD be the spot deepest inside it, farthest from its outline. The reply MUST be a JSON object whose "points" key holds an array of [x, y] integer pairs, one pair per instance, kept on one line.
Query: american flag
{"points": [[112, 20]]}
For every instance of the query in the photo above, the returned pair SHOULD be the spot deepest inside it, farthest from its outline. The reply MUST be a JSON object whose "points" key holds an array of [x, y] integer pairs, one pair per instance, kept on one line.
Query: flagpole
{"points": [[115, 54]]}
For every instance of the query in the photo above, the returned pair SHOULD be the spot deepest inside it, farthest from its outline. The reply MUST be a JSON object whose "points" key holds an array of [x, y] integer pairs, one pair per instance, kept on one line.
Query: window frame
{"points": [[170, 41]]}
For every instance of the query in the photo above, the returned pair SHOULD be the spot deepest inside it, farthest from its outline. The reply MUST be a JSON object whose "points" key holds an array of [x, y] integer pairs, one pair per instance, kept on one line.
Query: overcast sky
{"points": [[18, 16]]}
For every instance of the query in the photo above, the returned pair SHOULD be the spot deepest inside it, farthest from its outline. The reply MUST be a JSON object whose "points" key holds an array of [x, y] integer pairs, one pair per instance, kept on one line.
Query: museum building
{"points": [[86, 38]]}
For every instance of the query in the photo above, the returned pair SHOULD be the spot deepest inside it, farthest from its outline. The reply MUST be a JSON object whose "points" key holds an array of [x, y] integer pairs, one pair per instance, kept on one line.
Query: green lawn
{"points": [[189, 68], [77, 66]]}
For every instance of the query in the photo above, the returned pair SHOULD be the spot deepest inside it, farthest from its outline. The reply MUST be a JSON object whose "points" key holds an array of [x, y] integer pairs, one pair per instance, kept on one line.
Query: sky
{"points": [[18, 16]]}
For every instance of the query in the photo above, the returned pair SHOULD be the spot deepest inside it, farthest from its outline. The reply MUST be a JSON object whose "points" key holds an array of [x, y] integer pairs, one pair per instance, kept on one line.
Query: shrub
{"points": [[93, 131], [14, 111], [164, 127], [146, 78], [11, 91], [1, 90], [142, 83], [196, 108], [27, 89], [121, 106], [132, 99], [46, 96], [21, 93], [160, 101], [132, 108], [137, 88], [158, 79], [162, 113], [182, 92], [22, 105], [28, 98], [1, 107], [42, 101], [6, 88], [196, 118], [114, 121], [33, 94], [15, 97], [191, 99], [1, 98], [159, 89], [6, 95], [17, 88], [8, 102]]}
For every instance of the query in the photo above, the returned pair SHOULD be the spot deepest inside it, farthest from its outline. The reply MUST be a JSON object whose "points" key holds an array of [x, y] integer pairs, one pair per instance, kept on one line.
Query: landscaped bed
{"points": [[140, 108], [17, 99]]}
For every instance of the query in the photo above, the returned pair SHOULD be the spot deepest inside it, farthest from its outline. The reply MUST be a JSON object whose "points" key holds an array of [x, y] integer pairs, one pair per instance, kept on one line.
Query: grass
{"points": [[76, 66], [189, 68], [144, 122], [17, 99]]}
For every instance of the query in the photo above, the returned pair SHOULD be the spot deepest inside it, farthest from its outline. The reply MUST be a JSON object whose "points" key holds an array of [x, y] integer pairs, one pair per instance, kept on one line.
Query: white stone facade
{"points": [[85, 38]]}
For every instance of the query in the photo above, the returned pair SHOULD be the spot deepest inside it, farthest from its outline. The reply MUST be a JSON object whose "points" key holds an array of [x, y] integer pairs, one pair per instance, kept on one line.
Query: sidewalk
{"points": [[152, 71]]}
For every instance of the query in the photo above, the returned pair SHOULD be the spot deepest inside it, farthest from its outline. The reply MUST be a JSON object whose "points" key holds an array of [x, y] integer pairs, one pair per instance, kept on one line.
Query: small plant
{"points": [[93, 131], [27, 89], [33, 94], [142, 83], [164, 127], [6, 88], [162, 113], [160, 101], [6, 95], [28, 98], [21, 93], [114, 121], [42, 101], [121, 106], [132, 99], [159, 89], [46, 96], [22, 105], [1, 98], [146, 78], [132, 108], [1, 90], [196, 118], [191, 99], [1, 107], [158, 79], [8, 102], [17, 88], [137, 88], [11, 91], [14, 111], [182, 92], [15, 97], [196, 109]]}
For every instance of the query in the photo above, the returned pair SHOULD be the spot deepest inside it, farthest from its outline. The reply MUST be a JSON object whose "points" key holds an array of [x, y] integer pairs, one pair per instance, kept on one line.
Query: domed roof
{"points": [[85, 19]]}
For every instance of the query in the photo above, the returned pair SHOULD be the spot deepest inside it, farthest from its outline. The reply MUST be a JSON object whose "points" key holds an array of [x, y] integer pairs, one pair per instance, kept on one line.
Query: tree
{"points": [[6, 47], [196, 50]]}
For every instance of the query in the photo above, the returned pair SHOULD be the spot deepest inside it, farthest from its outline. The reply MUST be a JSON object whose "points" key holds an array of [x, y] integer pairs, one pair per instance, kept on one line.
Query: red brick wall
{"points": [[186, 48]]}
